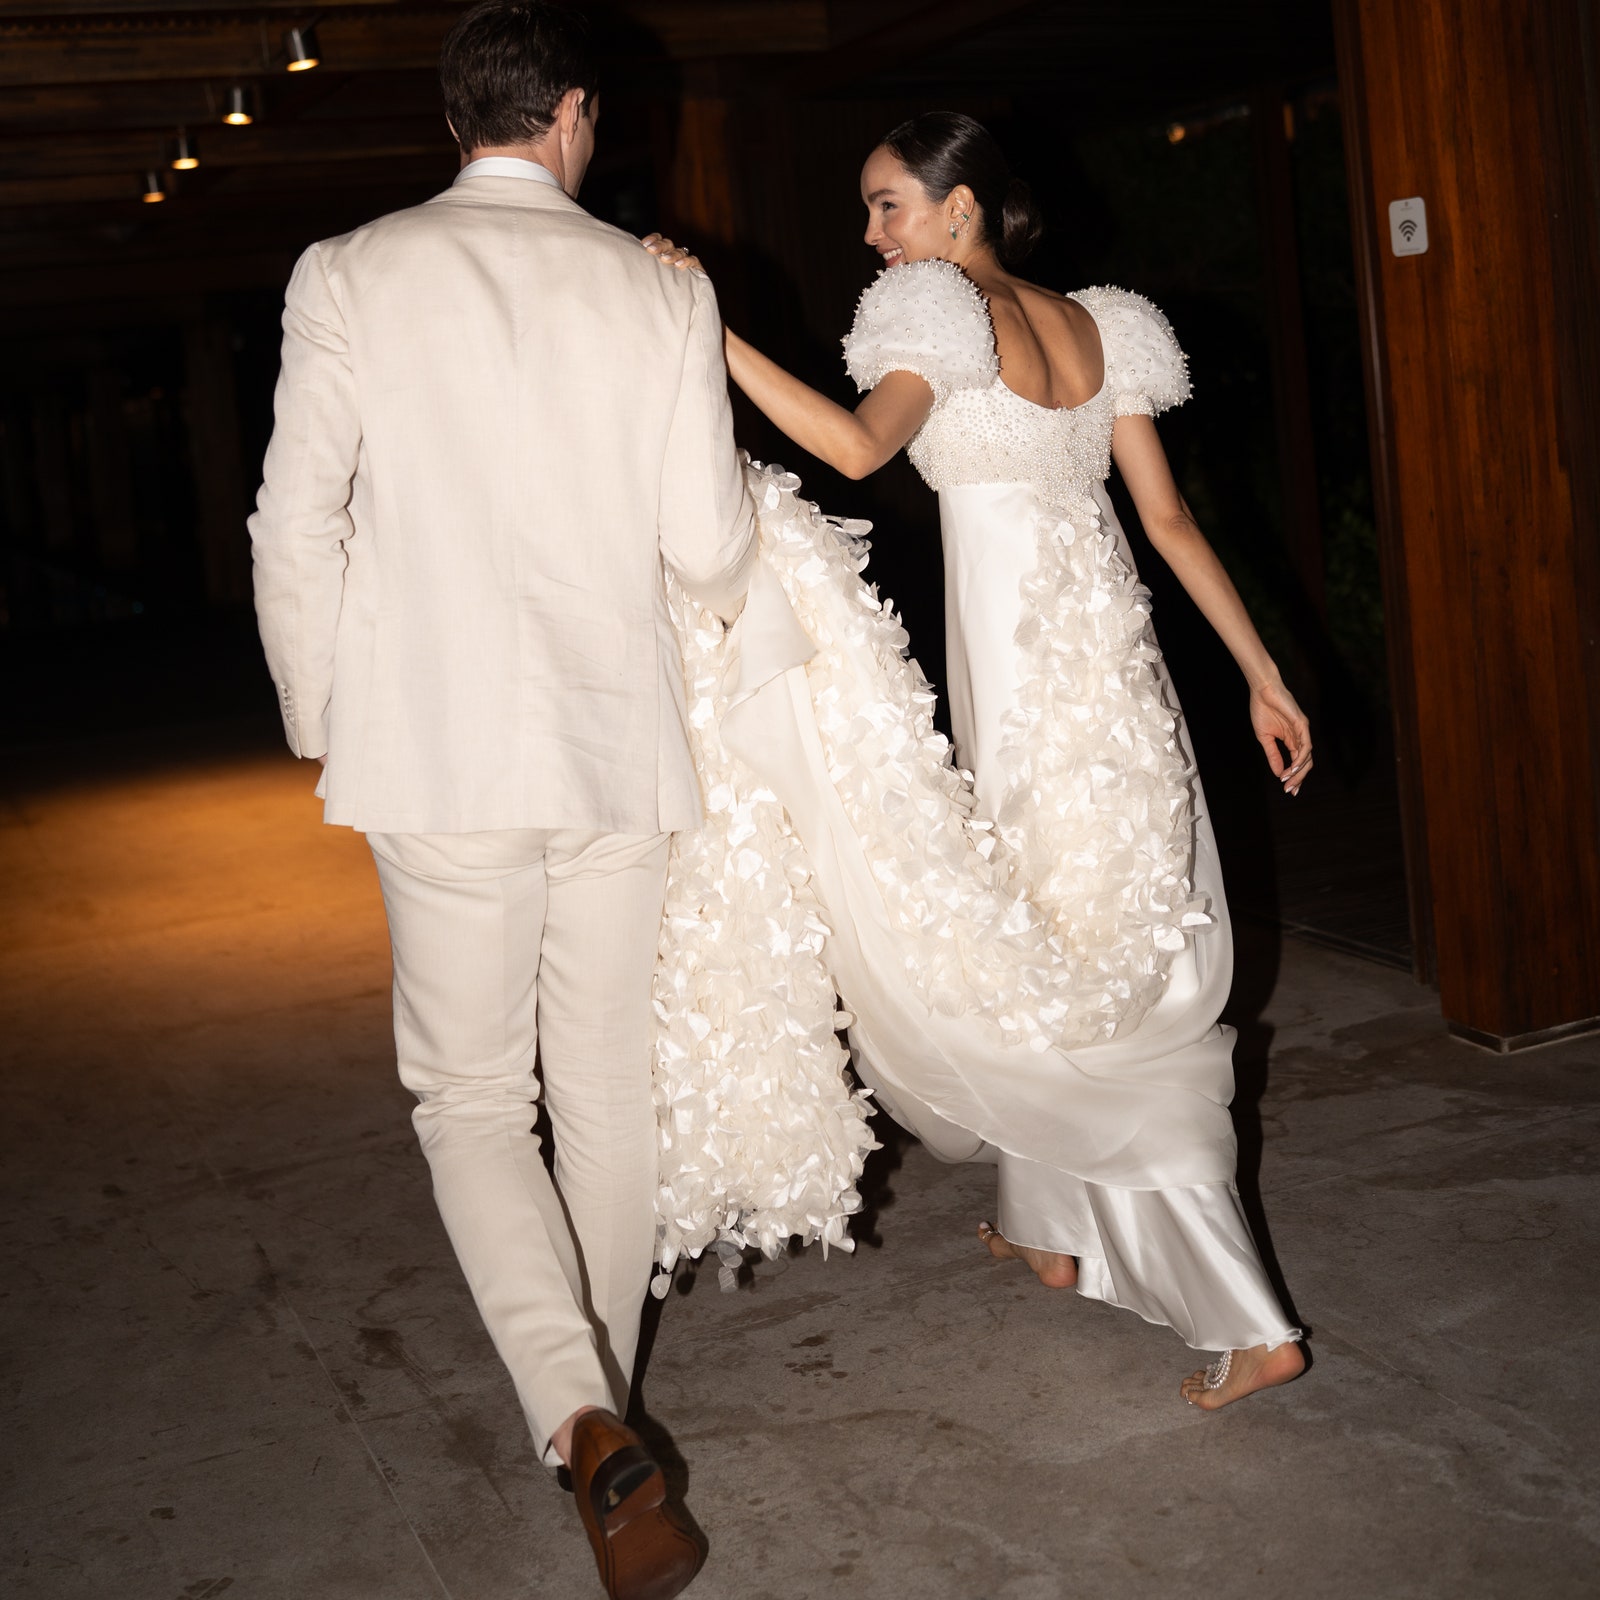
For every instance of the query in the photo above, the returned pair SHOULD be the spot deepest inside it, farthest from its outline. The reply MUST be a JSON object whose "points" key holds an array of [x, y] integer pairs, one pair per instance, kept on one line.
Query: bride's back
{"points": [[1049, 347]]}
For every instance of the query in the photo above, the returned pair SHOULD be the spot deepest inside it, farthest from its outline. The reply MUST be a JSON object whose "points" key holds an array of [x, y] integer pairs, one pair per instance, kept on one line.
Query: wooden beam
{"points": [[224, 49], [61, 10], [206, 45]]}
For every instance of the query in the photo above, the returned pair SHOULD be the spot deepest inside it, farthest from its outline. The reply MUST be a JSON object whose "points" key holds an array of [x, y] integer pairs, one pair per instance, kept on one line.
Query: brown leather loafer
{"points": [[643, 1547]]}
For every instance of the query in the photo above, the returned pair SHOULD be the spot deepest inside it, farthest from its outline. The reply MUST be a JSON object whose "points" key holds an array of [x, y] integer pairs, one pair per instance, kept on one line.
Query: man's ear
{"points": [[572, 109]]}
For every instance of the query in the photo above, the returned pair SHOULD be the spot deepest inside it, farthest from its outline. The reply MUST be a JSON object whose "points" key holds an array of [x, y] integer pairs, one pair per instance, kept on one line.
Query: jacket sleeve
{"points": [[707, 524], [302, 517]]}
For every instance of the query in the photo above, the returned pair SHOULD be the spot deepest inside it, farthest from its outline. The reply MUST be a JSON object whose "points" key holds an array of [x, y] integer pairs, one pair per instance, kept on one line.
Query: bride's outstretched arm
{"points": [[855, 443], [1136, 448]]}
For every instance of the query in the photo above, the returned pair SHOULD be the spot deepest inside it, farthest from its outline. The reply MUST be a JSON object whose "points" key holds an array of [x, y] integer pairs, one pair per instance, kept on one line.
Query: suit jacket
{"points": [[496, 417]]}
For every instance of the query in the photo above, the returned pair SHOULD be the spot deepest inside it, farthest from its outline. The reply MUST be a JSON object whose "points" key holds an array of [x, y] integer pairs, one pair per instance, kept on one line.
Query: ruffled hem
{"points": [[762, 1136]]}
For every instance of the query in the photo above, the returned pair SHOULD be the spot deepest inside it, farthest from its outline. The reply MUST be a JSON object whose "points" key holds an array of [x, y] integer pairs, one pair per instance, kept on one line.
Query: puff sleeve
{"points": [[925, 317], [1146, 369]]}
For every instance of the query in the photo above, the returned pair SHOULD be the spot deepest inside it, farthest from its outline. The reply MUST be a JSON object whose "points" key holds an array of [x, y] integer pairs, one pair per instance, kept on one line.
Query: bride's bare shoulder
{"points": [[1035, 296], [1059, 322]]}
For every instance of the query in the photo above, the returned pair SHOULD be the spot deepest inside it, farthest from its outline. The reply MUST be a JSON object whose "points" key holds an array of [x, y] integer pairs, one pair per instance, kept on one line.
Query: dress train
{"points": [[843, 854]]}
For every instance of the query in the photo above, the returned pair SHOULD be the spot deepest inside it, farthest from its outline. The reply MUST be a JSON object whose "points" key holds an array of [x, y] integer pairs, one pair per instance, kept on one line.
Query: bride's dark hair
{"points": [[942, 149]]}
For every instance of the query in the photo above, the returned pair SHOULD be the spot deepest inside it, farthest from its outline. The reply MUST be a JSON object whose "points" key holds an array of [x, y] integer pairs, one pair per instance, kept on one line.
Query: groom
{"points": [[497, 418]]}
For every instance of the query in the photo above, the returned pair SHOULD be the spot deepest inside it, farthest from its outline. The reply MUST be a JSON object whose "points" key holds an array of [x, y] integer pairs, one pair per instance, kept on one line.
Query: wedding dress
{"points": [[1030, 955]]}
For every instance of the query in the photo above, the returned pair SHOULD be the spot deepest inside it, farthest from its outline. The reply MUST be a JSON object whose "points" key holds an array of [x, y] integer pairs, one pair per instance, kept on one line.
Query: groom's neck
{"points": [[517, 152]]}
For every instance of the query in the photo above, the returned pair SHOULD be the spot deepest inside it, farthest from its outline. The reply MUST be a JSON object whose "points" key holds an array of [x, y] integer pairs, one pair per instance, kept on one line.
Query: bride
{"points": [[1032, 952]]}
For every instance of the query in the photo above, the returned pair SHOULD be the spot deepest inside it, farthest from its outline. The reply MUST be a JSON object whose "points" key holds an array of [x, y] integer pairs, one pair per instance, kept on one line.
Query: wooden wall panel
{"points": [[1367, 241], [1483, 514]]}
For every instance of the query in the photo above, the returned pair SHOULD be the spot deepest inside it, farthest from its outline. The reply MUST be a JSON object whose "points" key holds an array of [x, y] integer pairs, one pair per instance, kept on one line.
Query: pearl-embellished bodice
{"points": [[993, 435], [928, 317]]}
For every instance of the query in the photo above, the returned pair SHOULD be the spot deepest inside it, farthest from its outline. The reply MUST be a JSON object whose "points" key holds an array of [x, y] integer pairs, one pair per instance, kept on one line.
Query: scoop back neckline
{"points": [[1105, 360]]}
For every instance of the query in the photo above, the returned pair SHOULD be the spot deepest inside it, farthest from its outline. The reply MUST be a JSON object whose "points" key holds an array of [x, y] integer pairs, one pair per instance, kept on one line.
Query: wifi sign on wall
{"points": [[1408, 226]]}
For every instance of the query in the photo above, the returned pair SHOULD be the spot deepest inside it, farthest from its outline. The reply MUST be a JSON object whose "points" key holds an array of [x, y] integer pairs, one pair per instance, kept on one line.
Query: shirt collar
{"points": [[508, 167]]}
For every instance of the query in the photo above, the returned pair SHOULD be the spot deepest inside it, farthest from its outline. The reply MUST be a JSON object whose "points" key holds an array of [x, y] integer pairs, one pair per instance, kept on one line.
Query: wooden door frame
{"points": [[1365, 243]]}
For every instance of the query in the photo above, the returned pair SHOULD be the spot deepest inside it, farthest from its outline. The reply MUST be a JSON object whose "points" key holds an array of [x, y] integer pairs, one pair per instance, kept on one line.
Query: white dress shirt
{"points": [[507, 167]]}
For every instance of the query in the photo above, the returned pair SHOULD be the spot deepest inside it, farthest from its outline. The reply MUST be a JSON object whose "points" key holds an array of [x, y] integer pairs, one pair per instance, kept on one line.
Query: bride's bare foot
{"points": [[1053, 1271], [1237, 1373]]}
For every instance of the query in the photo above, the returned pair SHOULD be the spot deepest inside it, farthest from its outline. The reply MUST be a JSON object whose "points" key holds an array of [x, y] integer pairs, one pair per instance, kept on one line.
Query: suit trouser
{"points": [[503, 941]]}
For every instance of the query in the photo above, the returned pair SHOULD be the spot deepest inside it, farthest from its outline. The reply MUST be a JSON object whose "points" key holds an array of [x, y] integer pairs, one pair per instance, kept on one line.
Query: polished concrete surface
{"points": [[239, 1358]]}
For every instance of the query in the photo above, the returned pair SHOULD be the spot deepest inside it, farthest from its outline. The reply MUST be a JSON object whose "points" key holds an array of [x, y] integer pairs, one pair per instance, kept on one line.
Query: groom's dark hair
{"points": [[505, 66]]}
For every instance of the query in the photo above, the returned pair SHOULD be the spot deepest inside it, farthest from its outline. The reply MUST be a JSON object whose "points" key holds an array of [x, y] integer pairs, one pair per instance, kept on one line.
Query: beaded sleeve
{"points": [[925, 317], [1146, 370]]}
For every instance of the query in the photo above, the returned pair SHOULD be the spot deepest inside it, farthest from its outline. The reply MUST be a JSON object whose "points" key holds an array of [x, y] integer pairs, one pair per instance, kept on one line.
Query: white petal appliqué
{"points": [[1056, 930]]}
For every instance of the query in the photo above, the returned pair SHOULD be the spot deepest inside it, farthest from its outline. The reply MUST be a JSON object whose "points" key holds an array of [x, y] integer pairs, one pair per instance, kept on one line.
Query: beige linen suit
{"points": [[497, 417]]}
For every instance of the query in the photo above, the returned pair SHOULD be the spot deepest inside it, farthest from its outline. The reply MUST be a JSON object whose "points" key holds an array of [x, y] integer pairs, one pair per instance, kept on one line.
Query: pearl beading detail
{"points": [[993, 435], [928, 317]]}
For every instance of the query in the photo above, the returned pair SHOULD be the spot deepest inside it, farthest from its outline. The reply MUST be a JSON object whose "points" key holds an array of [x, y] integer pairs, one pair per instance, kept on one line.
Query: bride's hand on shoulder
{"points": [[670, 254], [1281, 724]]}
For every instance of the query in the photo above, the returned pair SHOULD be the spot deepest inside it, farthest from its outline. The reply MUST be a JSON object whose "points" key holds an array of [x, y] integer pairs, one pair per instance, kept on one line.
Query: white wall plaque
{"points": [[1408, 226]]}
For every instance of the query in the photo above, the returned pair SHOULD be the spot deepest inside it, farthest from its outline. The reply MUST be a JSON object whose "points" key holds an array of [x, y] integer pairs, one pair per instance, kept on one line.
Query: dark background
{"points": [[1193, 153]]}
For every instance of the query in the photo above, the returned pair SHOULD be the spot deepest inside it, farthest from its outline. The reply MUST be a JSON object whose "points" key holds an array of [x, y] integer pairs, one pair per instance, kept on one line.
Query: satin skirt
{"points": [[1182, 1256]]}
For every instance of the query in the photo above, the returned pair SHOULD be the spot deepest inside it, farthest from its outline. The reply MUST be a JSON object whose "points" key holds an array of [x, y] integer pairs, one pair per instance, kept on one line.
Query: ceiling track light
{"points": [[181, 156], [153, 193], [300, 45], [236, 110]]}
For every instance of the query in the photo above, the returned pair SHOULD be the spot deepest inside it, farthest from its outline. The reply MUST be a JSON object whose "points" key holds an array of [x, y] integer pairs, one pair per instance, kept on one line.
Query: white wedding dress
{"points": [[1030, 955]]}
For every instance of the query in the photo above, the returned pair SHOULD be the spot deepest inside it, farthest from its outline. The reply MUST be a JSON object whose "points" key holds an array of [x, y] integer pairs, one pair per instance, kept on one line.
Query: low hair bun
{"points": [[1021, 224], [942, 149]]}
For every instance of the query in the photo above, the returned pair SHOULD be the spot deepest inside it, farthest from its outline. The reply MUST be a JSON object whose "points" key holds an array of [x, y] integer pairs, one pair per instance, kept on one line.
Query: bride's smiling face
{"points": [[903, 222]]}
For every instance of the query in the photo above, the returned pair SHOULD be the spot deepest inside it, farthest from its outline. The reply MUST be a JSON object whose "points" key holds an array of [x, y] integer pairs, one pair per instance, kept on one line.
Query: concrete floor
{"points": [[240, 1359]]}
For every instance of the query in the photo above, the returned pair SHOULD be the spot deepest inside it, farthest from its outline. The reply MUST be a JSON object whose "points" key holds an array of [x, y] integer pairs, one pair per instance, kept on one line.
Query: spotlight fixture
{"points": [[236, 108], [154, 194], [182, 157], [301, 47]]}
